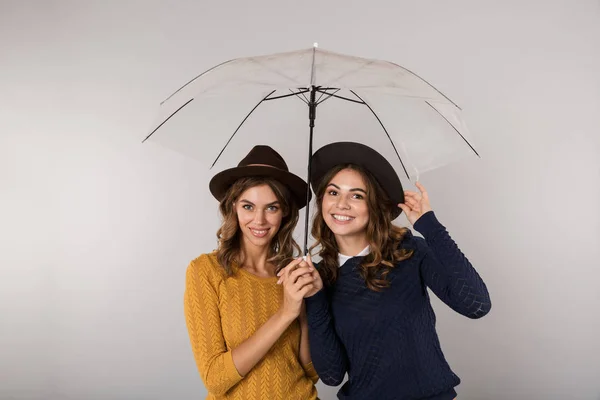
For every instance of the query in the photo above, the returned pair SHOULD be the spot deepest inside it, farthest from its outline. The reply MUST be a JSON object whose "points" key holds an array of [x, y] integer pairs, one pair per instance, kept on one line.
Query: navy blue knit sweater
{"points": [[386, 341]]}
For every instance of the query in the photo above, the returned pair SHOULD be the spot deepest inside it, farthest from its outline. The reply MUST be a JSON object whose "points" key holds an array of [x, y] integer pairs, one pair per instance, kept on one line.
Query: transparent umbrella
{"points": [[274, 99]]}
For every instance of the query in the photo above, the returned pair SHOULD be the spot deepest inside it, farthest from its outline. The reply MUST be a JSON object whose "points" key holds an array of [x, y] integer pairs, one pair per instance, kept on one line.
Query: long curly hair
{"points": [[383, 237], [283, 245]]}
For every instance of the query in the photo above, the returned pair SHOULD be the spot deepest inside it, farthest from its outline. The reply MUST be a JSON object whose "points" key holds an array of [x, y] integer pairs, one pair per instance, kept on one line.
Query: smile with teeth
{"points": [[259, 232], [343, 218]]}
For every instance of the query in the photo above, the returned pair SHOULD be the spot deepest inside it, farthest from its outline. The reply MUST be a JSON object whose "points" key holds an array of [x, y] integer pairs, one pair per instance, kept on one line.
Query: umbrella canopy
{"points": [[278, 99]]}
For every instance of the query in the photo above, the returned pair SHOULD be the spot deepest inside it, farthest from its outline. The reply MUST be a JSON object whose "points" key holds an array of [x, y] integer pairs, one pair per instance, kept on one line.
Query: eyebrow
{"points": [[351, 190], [276, 202]]}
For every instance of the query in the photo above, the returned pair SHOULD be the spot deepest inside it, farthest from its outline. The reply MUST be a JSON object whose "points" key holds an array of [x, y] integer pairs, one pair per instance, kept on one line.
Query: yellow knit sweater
{"points": [[222, 312]]}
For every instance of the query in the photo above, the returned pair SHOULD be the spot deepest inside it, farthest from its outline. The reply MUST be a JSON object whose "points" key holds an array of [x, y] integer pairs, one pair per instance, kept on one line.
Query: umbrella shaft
{"points": [[312, 113], [312, 108]]}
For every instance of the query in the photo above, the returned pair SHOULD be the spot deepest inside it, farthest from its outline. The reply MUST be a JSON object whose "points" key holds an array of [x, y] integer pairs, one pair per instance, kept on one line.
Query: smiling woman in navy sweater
{"points": [[372, 316]]}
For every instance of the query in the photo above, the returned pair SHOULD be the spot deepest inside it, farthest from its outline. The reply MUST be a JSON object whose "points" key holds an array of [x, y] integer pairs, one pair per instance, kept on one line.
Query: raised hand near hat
{"points": [[415, 204]]}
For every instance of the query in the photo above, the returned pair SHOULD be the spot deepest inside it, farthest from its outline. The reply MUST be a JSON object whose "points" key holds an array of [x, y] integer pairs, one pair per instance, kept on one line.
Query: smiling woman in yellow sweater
{"points": [[248, 334]]}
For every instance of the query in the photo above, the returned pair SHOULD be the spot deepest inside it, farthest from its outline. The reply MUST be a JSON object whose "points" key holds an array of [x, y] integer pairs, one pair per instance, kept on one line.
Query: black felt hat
{"points": [[338, 153]]}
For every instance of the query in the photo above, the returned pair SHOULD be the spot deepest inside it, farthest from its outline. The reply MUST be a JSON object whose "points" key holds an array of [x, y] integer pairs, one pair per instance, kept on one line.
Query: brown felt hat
{"points": [[261, 161]]}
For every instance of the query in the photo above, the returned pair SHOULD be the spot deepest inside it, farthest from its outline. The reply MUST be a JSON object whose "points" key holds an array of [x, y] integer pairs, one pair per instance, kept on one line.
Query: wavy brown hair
{"points": [[281, 251], [384, 238]]}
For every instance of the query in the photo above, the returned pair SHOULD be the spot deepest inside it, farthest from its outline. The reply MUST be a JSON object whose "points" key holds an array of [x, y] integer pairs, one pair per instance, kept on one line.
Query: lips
{"points": [[259, 233], [342, 219]]}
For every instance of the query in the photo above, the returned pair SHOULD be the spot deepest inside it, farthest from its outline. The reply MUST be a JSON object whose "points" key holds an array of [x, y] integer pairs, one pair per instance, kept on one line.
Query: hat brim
{"points": [[222, 181], [331, 155]]}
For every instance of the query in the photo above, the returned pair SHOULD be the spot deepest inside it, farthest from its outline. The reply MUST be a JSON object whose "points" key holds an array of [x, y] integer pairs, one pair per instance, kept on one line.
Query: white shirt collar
{"points": [[343, 258]]}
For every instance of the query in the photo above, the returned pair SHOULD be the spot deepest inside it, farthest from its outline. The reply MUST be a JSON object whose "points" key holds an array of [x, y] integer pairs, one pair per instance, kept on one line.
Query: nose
{"points": [[259, 217], [342, 203]]}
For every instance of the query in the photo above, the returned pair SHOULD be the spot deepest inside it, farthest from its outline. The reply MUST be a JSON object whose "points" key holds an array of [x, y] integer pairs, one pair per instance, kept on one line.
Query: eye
{"points": [[247, 207], [358, 196], [332, 193], [273, 208]]}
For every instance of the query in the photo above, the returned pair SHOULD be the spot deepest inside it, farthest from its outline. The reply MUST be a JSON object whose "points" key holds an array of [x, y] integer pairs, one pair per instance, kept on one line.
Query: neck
{"points": [[255, 258], [351, 245]]}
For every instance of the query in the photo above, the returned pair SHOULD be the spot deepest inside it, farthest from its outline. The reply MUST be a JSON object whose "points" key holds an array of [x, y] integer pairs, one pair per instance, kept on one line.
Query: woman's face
{"points": [[259, 215], [344, 206]]}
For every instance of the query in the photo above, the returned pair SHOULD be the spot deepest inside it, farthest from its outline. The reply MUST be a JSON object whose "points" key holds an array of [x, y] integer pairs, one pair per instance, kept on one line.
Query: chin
{"points": [[259, 241], [344, 232], [341, 230], [349, 230]]}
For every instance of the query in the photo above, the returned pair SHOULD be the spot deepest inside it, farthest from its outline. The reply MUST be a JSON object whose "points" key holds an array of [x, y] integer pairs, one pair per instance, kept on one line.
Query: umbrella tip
{"points": [[315, 44]]}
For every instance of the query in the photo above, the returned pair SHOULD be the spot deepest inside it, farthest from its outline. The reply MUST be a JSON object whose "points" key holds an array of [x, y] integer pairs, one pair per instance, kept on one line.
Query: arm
{"points": [[444, 268], [327, 351], [253, 349], [214, 361], [219, 367], [304, 355], [449, 273]]}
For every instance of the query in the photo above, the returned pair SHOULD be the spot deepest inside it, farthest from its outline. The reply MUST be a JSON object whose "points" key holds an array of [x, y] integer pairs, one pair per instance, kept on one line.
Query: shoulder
{"points": [[427, 226], [206, 267], [416, 245], [412, 242]]}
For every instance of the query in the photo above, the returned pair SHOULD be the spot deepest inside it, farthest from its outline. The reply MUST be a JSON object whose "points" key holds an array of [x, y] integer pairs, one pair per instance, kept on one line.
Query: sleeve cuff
{"points": [[230, 369], [427, 223], [311, 372]]}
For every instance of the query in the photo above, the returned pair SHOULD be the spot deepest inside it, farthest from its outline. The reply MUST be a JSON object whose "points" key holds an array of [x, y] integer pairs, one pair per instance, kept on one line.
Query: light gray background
{"points": [[96, 230]]}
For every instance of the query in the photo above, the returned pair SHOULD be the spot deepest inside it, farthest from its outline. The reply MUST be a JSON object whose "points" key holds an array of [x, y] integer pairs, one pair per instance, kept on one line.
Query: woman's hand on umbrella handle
{"points": [[298, 268], [317, 281], [415, 204], [297, 281]]}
